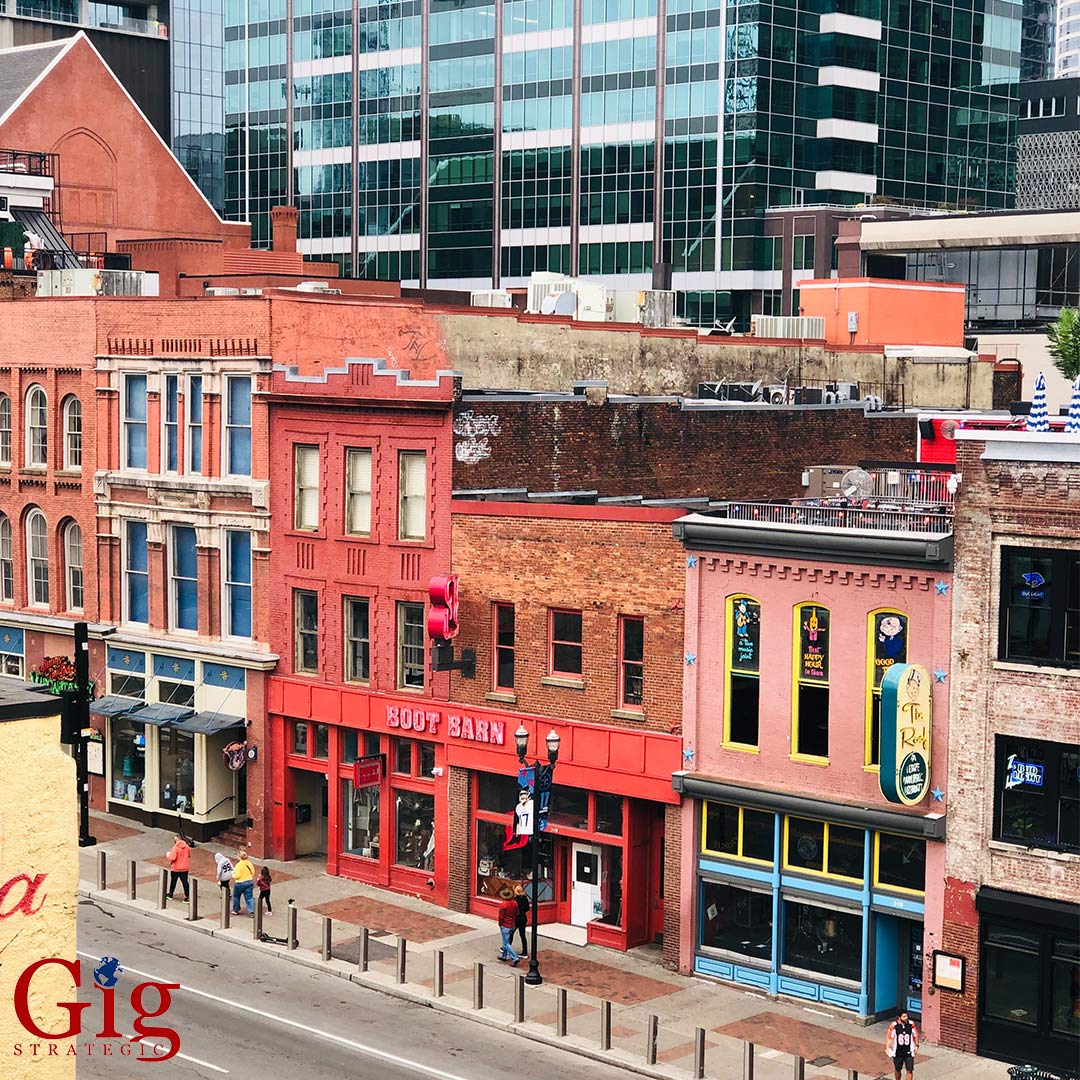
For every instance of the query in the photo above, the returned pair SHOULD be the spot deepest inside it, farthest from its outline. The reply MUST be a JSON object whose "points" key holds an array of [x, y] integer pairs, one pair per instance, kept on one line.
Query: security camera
{"points": [[437, 771], [431, 883]]}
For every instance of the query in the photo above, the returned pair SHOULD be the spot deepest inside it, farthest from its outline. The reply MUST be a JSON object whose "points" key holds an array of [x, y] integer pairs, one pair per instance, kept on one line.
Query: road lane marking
{"points": [[358, 1047], [187, 1057]]}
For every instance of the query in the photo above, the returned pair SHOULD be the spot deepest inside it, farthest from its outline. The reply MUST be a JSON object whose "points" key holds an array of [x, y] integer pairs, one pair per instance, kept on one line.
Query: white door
{"points": [[585, 884]]}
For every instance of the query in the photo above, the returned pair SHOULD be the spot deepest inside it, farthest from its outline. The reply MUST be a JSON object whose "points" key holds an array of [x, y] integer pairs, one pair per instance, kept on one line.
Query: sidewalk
{"points": [[635, 983]]}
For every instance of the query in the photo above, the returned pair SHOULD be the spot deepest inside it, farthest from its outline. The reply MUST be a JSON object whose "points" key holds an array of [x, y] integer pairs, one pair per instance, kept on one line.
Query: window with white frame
{"points": [[238, 425], [412, 500], [184, 579], [5, 430], [194, 421], [7, 560], [171, 424], [136, 573], [73, 566], [306, 487], [72, 433], [37, 428], [134, 406], [410, 646], [37, 559], [358, 492], [238, 583]]}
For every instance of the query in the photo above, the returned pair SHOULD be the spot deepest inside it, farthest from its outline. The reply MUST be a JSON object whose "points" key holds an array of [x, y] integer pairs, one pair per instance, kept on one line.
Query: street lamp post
{"points": [[521, 741]]}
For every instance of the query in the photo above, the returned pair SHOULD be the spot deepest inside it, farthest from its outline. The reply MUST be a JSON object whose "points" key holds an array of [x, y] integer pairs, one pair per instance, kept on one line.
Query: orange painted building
{"points": [[872, 311]]}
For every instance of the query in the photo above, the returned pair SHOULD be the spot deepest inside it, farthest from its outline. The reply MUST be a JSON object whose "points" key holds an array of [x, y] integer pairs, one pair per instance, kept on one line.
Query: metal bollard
{"points": [[131, 875], [798, 1071], [650, 1039], [290, 926], [226, 909], [399, 961], [560, 1011], [193, 903], [437, 974], [257, 922], [477, 985], [605, 1025], [162, 888], [519, 999], [699, 1053], [748, 1061], [362, 959], [101, 871], [327, 937]]}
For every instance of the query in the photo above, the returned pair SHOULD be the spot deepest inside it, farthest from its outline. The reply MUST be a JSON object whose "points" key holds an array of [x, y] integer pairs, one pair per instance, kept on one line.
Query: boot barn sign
{"points": [[906, 708], [451, 725]]}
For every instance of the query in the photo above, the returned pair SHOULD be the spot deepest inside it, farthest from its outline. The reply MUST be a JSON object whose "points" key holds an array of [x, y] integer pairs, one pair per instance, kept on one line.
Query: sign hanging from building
{"points": [[369, 771], [905, 733]]}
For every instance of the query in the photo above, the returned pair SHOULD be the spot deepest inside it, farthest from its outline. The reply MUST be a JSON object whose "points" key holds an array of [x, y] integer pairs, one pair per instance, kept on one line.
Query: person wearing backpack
{"points": [[262, 883], [224, 873]]}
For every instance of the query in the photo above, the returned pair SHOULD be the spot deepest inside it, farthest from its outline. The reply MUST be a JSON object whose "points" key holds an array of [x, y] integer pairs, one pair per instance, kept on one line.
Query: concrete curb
{"points": [[383, 984]]}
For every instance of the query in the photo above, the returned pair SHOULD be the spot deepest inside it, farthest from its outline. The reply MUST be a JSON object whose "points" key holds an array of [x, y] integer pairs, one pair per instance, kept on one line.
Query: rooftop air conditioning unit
{"points": [[491, 298], [221, 291], [542, 285], [788, 326]]}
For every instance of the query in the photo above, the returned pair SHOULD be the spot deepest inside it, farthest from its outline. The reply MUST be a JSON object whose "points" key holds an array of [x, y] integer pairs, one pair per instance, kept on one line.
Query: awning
{"points": [[37, 221], [210, 723], [1035, 909], [113, 705], [159, 714]]}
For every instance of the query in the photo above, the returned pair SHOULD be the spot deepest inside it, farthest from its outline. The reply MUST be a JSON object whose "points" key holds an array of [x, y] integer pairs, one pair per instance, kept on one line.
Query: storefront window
{"points": [[133, 686], [739, 832], [722, 828], [322, 742], [568, 806], [610, 885], [806, 844], [846, 851], [824, 848], [403, 756], [901, 862], [1011, 973], [1065, 992], [427, 758], [299, 738], [128, 739], [176, 759], [497, 793], [361, 826], [825, 941], [415, 830], [353, 741], [176, 693], [736, 919], [497, 869], [609, 814]]}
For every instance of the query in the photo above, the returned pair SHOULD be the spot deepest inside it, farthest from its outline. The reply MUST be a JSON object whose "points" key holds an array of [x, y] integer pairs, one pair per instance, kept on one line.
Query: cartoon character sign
{"points": [[814, 643], [890, 642], [746, 622]]}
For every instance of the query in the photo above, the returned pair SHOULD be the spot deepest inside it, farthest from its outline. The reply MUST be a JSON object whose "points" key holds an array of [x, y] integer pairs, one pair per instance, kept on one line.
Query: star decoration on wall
{"points": [[691, 659], [942, 588], [939, 675], [691, 562], [688, 756], [938, 794]]}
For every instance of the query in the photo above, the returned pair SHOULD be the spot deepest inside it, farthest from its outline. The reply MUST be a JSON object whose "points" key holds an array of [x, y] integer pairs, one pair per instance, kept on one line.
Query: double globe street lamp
{"points": [[541, 790]]}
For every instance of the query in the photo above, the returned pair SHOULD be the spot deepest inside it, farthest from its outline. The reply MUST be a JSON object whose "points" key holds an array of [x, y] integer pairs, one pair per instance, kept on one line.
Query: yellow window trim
{"points": [[808, 759], [871, 693], [824, 852], [877, 883], [729, 622], [796, 682], [739, 856]]}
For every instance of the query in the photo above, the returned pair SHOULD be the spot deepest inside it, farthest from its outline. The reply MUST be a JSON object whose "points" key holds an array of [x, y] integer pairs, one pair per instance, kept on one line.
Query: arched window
{"points": [[73, 433], [887, 633], [37, 559], [7, 561], [5, 430], [73, 565], [37, 427]]}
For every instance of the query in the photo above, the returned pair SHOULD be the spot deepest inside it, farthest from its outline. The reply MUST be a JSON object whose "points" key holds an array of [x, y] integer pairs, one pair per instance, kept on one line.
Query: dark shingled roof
{"points": [[19, 67]]}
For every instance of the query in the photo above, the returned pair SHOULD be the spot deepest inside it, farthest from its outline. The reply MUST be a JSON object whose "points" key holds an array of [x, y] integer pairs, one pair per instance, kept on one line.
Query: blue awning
{"points": [[210, 723], [159, 714], [114, 705]]}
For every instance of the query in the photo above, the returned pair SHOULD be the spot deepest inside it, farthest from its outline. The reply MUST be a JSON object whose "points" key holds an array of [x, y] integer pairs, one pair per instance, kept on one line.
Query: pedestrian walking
{"points": [[262, 883], [224, 874], [508, 913], [179, 856], [902, 1043], [522, 902], [243, 885]]}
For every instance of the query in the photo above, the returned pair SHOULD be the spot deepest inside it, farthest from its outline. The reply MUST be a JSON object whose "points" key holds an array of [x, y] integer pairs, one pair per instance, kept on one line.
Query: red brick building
{"points": [[1010, 940]]}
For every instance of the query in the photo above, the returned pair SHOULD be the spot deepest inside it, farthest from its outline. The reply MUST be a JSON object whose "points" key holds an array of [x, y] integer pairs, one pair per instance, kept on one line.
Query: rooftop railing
{"points": [[28, 162], [831, 515]]}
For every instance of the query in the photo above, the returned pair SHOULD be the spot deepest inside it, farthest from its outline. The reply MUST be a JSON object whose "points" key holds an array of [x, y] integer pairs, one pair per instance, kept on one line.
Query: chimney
{"points": [[283, 225]]}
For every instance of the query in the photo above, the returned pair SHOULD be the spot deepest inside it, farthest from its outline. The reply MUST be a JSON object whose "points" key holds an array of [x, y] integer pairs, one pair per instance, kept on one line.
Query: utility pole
{"points": [[82, 722]]}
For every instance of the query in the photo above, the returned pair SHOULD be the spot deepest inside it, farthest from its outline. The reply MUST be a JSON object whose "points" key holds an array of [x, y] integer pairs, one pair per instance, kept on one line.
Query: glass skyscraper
{"points": [[625, 139]]}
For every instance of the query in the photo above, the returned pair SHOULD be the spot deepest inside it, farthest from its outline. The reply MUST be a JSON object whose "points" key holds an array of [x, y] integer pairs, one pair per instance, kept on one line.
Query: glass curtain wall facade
{"points": [[615, 138]]}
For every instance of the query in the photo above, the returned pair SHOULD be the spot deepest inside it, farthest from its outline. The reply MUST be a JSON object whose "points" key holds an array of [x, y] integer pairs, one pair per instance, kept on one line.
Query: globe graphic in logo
{"points": [[107, 972]]}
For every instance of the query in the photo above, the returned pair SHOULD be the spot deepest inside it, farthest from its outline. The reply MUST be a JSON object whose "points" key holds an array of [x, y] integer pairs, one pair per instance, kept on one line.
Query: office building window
{"points": [[171, 423], [1040, 606], [358, 492], [134, 421], [37, 428], [238, 583], [37, 557], [184, 579], [72, 434], [238, 426], [7, 560], [73, 566], [743, 681], [631, 662], [306, 487], [194, 425], [810, 712], [503, 647], [137, 573], [357, 639], [410, 646], [564, 643], [412, 507], [306, 617]]}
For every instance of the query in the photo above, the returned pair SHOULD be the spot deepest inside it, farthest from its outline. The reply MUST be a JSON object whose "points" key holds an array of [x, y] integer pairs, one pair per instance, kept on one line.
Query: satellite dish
{"points": [[566, 303], [547, 305], [948, 428], [857, 484]]}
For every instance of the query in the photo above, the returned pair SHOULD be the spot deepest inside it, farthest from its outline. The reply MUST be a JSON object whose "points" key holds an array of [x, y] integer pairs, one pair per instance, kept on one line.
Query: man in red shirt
{"points": [[508, 914]]}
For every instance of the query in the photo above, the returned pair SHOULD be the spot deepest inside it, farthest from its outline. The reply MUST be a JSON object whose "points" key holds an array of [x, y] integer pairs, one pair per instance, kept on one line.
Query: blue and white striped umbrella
{"points": [[1039, 418], [1072, 425]]}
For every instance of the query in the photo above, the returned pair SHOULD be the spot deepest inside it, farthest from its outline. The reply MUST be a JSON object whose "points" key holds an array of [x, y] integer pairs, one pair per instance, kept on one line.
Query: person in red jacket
{"points": [[508, 915], [179, 863]]}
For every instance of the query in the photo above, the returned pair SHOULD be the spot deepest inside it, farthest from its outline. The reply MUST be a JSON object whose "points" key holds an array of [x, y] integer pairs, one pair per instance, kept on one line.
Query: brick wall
{"points": [[459, 832], [673, 816], [658, 450]]}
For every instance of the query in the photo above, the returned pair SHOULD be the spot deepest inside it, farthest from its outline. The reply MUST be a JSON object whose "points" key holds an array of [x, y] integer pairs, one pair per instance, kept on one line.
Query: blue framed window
{"points": [[172, 418], [238, 583], [194, 424], [185, 579], [238, 426], [134, 421], [137, 573]]}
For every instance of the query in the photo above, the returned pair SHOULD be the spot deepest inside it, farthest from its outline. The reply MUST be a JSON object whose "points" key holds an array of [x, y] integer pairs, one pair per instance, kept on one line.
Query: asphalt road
{"points": [[252, 1017]]}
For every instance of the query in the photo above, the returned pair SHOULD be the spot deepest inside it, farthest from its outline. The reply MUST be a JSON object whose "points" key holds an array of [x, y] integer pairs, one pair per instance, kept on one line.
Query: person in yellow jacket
{"points": [[243, 884]]}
